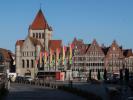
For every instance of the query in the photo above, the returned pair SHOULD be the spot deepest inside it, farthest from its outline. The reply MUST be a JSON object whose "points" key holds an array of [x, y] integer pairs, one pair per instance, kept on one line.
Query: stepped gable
{"points": [[115, 49], [80, 46], [94, 47]]}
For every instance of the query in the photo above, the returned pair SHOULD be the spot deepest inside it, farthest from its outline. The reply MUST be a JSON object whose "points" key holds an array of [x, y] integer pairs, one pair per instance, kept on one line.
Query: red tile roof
{"points": [[54, 44], [6, 54], [39, 22]]}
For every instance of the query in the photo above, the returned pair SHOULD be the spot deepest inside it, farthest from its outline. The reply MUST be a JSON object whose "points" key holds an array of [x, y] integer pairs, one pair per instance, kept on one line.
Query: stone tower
{"points": [[28, 50], [40, 29]]}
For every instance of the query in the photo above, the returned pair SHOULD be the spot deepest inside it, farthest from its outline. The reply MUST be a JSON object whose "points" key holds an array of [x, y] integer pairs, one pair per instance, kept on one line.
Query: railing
{"points": [[43, 83]]}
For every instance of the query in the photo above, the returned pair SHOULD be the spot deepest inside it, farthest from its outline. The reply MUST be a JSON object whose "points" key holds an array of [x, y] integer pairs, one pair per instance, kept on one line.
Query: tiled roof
{"points": [[39, 22], [6, 54], [20, 42], [127, 52], [54, 44]]}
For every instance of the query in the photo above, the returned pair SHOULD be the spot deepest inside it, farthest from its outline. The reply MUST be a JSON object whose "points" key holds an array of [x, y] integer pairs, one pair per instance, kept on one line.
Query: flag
{"points": [[71, 53], [63, 58], [40, 56], [57, 55], [45, 57], [51, 57]]}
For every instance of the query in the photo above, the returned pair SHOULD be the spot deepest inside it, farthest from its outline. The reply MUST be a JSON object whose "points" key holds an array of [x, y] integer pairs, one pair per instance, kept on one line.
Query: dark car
{"points": [[19, 78]]}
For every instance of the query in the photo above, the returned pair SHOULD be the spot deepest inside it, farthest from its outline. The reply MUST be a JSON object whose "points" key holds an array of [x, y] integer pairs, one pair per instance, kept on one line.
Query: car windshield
{"points": [[27, 77]]}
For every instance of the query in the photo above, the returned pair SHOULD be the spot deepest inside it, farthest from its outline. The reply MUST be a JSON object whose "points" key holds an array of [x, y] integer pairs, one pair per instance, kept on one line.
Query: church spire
{"points": [[39, 22]]}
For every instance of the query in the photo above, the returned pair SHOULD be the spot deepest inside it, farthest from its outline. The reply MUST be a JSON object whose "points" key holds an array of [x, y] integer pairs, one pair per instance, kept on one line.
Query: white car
{"points": [[28, 78]]}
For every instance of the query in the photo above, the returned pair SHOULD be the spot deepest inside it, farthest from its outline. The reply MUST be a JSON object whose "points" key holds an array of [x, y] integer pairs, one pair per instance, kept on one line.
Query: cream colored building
{"points": [[39, 34]]}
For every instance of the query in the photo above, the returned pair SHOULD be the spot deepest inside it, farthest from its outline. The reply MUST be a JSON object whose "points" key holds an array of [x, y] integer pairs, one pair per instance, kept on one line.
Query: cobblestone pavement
{"points": [[27, 92]]}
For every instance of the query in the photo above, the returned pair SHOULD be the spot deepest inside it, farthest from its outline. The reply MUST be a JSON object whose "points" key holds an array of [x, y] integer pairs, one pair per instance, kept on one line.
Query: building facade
{"points": [[128, 62], [97, 58], [114, 58], [89, 58], [27, 51]]}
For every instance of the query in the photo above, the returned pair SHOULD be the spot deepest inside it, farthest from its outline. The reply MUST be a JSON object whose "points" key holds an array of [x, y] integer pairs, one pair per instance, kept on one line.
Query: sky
{"points": [[103, 20]]}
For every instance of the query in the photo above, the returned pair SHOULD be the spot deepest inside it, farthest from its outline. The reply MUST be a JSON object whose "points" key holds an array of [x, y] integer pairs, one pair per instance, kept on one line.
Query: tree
{"points": [[98, 75], [126, 75], [90, 74], [105, 74], [121, 74]]}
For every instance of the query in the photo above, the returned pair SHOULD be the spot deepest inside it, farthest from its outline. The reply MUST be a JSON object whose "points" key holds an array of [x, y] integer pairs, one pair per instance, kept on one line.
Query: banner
{"points": [[64, 52], [51, 57], [57, 56], [45, 57], [70, 53]]}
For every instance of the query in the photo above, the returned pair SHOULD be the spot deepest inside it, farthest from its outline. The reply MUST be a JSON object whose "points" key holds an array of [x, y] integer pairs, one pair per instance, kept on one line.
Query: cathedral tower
{"points": [[40, 29]]}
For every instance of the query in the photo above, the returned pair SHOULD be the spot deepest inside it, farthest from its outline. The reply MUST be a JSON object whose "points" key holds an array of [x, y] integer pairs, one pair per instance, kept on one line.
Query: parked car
{"points": [[19, 78], [28, 79]]}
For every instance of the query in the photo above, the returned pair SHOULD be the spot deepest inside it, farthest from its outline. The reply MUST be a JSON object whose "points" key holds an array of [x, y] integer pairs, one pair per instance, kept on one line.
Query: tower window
{"points": [[33, 35], [32, 63], [27, 63], [23, 63], [27, 54], [39, 35], [36, 35]]}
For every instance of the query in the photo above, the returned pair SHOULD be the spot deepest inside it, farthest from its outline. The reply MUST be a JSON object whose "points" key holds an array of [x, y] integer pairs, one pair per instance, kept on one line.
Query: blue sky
{"points": [[104, 20]]}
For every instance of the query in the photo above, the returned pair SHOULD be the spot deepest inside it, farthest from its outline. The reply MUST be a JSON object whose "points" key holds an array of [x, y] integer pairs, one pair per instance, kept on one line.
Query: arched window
{"points": [[39, 35], [32, 63], [23, 63], [36, 35], [27, 63], [33, 35]]}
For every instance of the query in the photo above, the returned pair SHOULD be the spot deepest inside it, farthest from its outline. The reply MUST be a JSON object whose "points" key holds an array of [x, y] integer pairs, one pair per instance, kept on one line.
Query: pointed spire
{"points": [[39, 22]]}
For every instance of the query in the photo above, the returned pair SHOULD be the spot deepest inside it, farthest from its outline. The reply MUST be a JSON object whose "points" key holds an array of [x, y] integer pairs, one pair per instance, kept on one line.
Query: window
{"points": [[39, 35], [32, 63], [33, 35], [23, 54], [27, 63], [32, 53], [36, 35], [27, 54], [23, 63]]}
